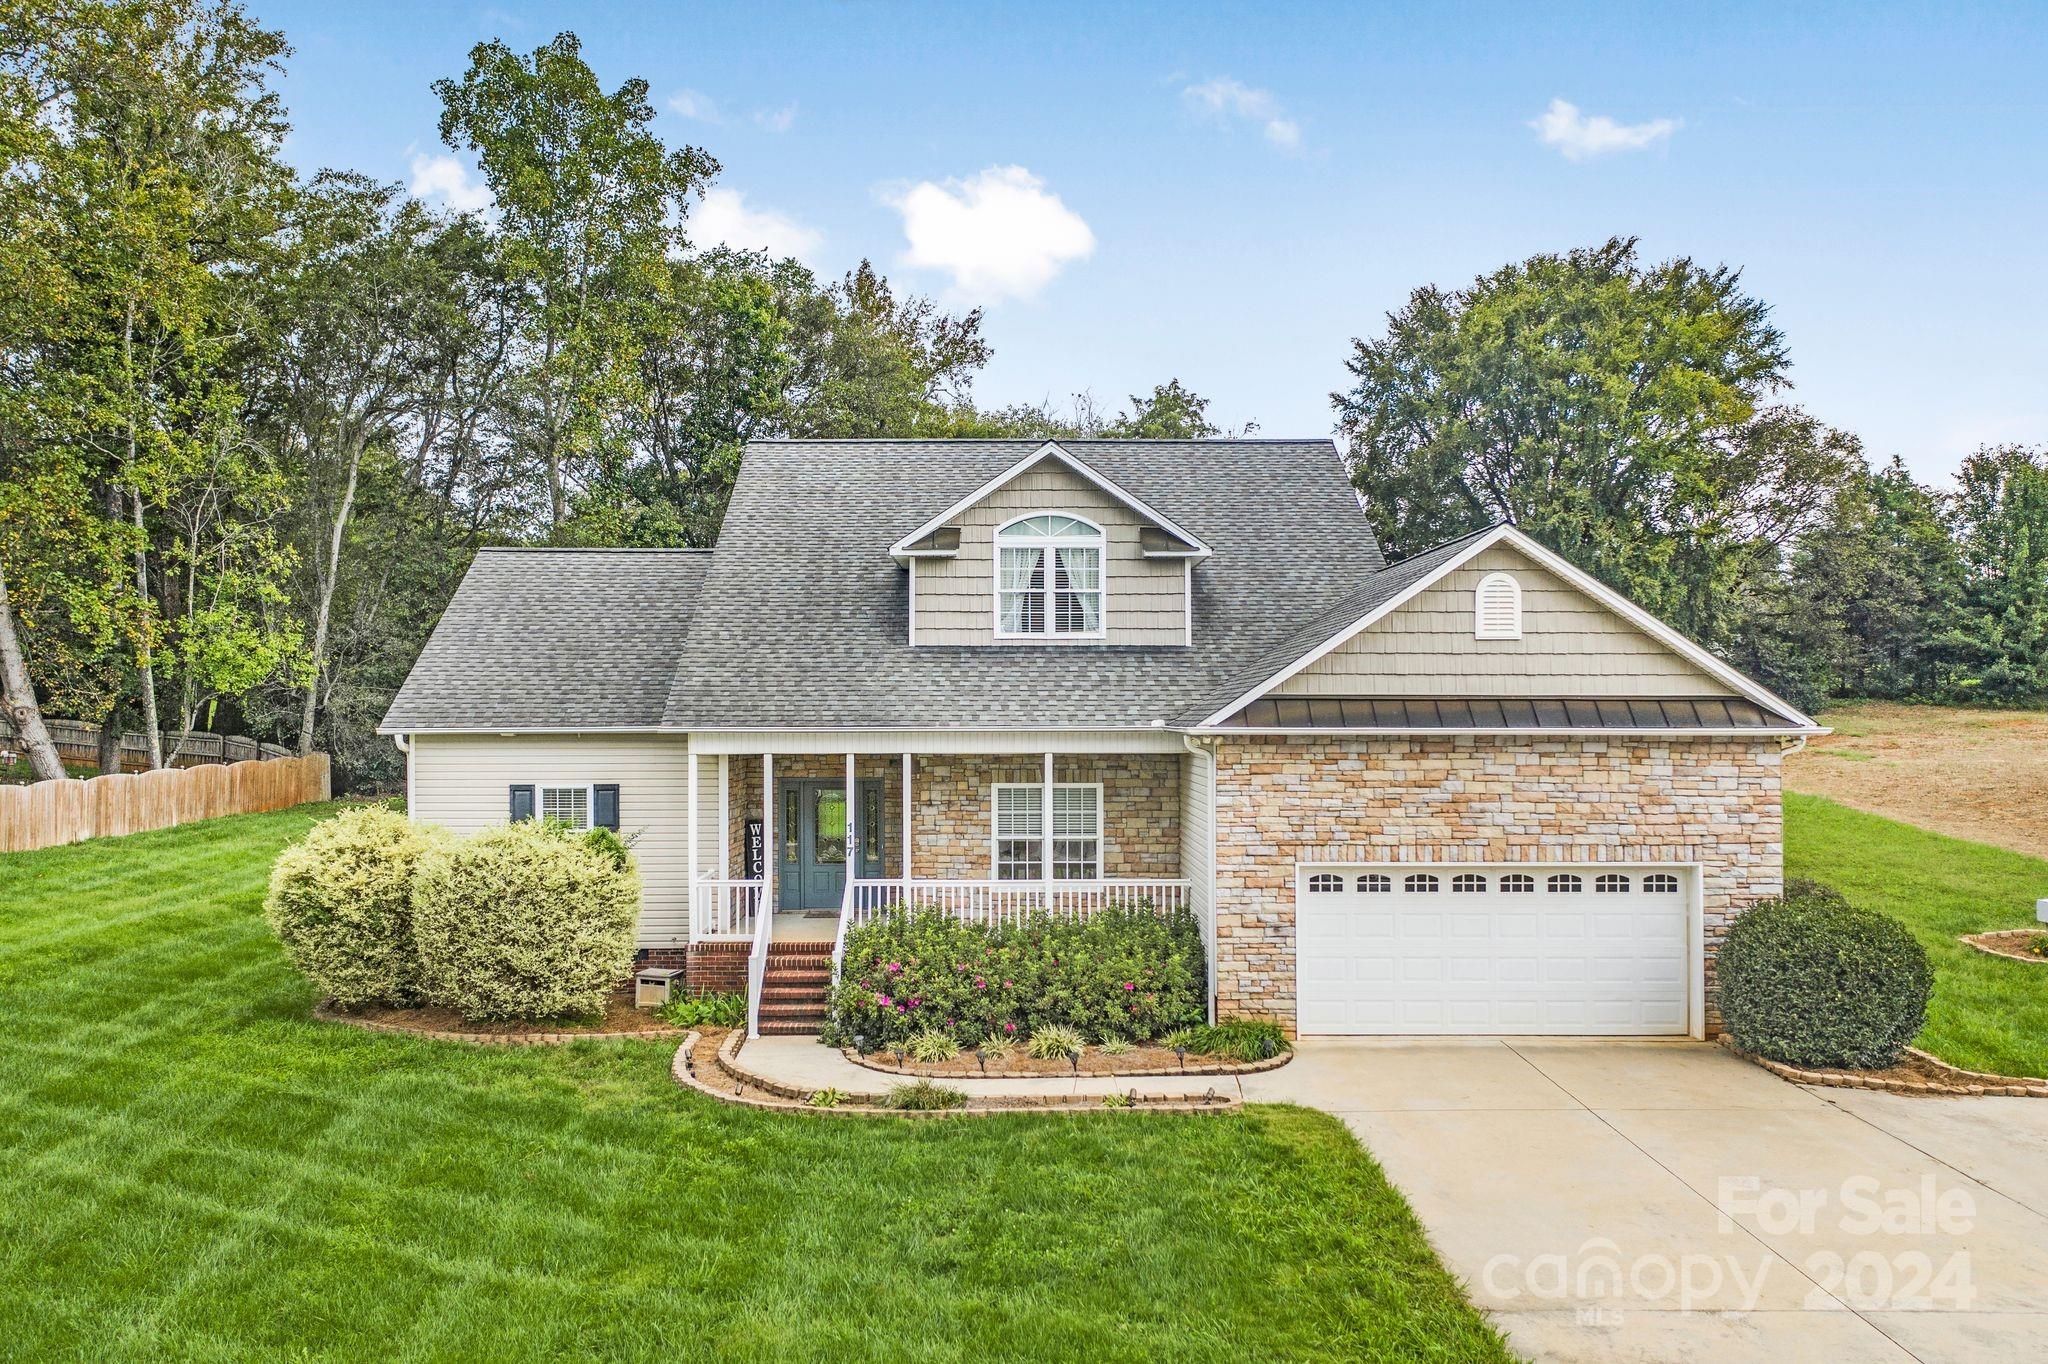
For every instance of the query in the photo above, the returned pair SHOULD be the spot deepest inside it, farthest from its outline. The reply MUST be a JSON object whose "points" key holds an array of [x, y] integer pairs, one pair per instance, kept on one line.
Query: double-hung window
{"points": [[1076, 832], [569, 804], [1049, 578]]}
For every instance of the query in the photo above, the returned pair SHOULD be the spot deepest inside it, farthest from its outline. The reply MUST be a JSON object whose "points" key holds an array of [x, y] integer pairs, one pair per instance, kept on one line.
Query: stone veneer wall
{"points": [[1280, 801], [952, 806]]}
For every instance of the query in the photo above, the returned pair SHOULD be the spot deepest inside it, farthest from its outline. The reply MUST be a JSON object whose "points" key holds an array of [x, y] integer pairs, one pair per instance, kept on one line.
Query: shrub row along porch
{"points": [[826, 841]]}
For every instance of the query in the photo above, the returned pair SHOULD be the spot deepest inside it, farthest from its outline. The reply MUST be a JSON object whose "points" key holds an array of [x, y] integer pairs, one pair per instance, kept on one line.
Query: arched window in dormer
{"points": [[1048, 577], [1497, 607]]}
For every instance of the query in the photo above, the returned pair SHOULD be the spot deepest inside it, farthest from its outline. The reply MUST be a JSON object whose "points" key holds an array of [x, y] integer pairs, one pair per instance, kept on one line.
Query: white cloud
{"points": [[448, 180], [776, 120], [999, 234], [696, 104], [1564, 127], [724, 219], [1224, 98]]}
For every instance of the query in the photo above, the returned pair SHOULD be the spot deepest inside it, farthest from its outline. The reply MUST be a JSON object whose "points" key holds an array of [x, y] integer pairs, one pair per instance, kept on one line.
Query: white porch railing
{"points": [[1000, 902], [757, 969], [724, 910]]}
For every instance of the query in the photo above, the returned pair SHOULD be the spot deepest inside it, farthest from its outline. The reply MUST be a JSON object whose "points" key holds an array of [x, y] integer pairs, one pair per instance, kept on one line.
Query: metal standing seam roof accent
{"points": [[1505, 713]]}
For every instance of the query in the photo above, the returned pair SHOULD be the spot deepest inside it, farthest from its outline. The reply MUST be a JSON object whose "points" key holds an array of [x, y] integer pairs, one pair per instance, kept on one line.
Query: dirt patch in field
{"points": [[1976, 774]]}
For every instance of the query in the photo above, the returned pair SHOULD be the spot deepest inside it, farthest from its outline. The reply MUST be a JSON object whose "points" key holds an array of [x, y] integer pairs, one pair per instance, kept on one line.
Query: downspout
{"points": [[404, 742], [1206, 748]]}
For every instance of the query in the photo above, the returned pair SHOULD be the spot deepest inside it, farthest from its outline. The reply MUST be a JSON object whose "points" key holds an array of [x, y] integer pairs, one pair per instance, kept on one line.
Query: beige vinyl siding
{"points": [[1144, 600], [462, 782], [1571, 645]]}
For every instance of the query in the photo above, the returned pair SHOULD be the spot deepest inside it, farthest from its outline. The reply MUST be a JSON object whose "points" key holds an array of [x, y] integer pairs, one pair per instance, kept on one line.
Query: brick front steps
{"points": [[794, 987]]}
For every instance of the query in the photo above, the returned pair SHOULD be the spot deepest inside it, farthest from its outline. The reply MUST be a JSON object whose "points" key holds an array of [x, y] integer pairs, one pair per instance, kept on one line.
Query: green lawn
{"points": [[1988, 1013], [190, 1167]]}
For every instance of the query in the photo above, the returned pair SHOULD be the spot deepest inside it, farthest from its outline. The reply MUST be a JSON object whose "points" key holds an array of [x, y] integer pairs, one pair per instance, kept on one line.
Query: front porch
{"points": [[799, 847]]}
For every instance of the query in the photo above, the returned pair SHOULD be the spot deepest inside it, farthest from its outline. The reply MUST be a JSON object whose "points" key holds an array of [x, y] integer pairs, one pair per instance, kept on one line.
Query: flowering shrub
{"points": [[1120, 973]]}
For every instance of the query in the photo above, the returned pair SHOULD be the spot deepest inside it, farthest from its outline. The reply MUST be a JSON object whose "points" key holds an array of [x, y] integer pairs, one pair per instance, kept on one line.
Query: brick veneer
{"points": [[1280, 801], [952, 806], [716, 968]]}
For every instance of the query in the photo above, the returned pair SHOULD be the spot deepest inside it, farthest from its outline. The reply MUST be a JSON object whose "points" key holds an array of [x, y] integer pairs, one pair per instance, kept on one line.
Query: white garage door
{"points": [[1594, 951]]}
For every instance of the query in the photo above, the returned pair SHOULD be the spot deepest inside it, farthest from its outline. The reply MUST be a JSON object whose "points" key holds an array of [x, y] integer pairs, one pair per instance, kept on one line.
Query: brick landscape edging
{"points": [[684, 1072], [1201, 1068], [1993, 944], [326, 1014], [1956, 1084]]}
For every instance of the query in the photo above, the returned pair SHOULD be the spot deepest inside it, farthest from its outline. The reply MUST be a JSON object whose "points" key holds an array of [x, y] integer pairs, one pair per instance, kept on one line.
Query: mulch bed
{"points": [[712, 1067], [1917, 1072], [619, 1020], [1139, 1060], [2015, 944]]}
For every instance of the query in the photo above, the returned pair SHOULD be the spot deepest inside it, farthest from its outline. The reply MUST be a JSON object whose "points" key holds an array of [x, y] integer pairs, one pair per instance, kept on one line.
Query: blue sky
{"points": [[1228, 194]]}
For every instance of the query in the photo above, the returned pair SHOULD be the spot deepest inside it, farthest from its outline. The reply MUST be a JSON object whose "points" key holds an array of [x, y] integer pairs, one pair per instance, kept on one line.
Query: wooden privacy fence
{"points": [[80, 743], [46, 813]]}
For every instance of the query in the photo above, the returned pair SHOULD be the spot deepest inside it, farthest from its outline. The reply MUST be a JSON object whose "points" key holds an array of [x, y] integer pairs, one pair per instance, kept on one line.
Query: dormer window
{"points": [[1497, 608], [1049, 578]]}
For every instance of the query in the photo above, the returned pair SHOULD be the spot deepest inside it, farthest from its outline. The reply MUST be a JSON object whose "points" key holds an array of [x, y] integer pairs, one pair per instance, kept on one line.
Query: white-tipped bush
{"points": [[341, 903], [525, 921]]}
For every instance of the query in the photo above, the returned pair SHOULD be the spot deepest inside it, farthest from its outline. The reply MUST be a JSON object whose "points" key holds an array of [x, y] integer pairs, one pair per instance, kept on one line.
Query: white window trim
{"points": [[589, 790], [1046, 837], [1480, 629], [1099, 542]]}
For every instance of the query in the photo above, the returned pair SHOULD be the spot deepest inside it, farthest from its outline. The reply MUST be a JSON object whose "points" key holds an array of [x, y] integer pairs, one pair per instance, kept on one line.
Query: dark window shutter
{"points": [[604, 807], [522, 803]]}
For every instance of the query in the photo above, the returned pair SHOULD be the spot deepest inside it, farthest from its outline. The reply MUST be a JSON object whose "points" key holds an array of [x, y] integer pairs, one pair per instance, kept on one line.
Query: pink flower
{"points": [[915, 1001], [1009, 1027], [883, 1000], [894, 968], [980, 984], [1007, 985], [1129, 986]]}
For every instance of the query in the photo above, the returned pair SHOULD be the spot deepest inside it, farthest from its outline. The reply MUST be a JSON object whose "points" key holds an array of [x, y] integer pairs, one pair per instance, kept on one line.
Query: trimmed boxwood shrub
{"points": [[1810, 980], [530, 920], [1121, 973], [340, 901]]}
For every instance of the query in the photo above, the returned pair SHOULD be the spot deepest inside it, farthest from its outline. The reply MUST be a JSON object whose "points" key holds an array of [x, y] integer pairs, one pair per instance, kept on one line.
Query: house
{"points": [[1475, 791]]}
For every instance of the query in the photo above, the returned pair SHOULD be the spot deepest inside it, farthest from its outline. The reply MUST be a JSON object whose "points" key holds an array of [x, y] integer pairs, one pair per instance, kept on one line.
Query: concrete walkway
{"points": [[1665, 1201]]}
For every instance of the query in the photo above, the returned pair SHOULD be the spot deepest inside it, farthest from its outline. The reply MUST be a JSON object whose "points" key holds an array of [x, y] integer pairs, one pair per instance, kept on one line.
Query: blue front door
{"points": [[812, 841]]}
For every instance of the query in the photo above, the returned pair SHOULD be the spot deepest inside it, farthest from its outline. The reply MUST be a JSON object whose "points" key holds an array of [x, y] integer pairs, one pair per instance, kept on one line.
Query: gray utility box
{"points": [[654, 985]]}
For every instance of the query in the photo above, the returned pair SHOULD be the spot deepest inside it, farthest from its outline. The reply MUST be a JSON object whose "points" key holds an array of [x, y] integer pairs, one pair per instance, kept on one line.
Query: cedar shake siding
{"points": [[1571, 645], [1144, 600]]}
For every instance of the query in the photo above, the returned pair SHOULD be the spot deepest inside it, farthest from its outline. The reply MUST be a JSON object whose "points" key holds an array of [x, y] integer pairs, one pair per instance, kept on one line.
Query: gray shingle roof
{"points": [[554, 638], [802, 619]]}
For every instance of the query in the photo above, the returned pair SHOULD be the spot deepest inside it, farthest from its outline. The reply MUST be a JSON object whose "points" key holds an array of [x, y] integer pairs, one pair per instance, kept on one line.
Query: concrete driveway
{"points": [[1664, 1201]]}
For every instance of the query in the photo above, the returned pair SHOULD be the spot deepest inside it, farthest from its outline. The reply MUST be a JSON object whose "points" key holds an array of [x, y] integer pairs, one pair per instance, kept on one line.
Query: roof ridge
{"points": [[593, 549], [1041, 440]]}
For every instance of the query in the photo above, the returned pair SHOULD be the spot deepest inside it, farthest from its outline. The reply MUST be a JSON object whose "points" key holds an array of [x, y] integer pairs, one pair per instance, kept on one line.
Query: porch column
{"points": [[690, 775], [724, 817], [767, 833], [1045, 832], [905, 857], [854, 842]]}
